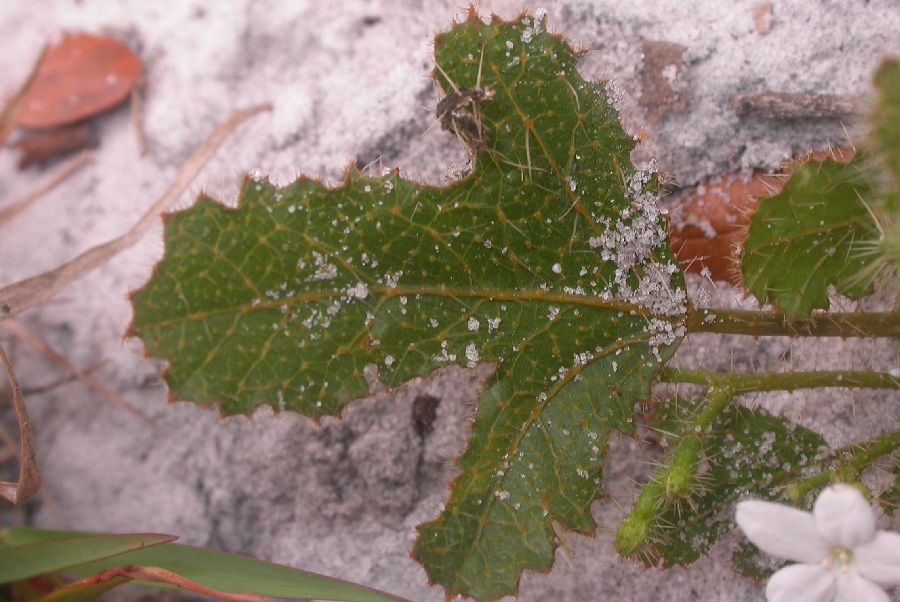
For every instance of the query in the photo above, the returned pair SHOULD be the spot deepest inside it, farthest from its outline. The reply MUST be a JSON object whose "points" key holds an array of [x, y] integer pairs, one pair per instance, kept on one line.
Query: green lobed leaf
{"points": [[747, 453], [216, 570], [549, 260], [813, 234], [754, 564], [29, 560]]}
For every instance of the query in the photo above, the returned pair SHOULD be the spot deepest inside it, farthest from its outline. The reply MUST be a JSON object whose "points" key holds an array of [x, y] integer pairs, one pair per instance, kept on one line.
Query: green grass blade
{"points": [[217, 570], [36, 558]]}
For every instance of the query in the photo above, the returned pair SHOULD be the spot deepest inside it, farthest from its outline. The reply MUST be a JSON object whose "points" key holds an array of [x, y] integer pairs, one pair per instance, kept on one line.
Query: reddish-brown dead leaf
{"points": [[45, 145], [707, 222], [79, 77]]}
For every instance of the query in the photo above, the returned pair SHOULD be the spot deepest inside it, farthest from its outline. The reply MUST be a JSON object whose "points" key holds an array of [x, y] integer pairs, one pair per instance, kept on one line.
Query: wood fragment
{"points": [[775, 105], [66, 172], [28, 293], [661, 69], [29, 477], [762, 18]]}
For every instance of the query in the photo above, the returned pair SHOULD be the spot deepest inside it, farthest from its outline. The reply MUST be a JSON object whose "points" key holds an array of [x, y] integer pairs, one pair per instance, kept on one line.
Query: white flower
{"points": [[841, 555]]}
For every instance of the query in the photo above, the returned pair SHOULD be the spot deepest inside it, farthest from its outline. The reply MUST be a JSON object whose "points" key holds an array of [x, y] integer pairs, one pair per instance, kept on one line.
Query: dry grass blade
{"points": [[9, 115], [33, 340], [29, 478], [70, 169], [59, 382], [776, 105], [158, 575], [30, 292], [137, 116]]}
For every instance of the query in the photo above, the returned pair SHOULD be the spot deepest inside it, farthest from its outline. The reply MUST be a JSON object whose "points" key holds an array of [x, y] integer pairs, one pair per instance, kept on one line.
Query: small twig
{"points": [[33, 340], [775, 105], [59, 382], [854, 459], [781, 381], [137, 115], [769, 323], [29, 477], [70, 169], [674, 479], [28, 293]]}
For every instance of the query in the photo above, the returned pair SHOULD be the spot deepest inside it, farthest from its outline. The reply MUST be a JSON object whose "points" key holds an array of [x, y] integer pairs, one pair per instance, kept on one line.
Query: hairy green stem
{"points": [[672, 481], [856, 458], [781, 381], [768, 323]]}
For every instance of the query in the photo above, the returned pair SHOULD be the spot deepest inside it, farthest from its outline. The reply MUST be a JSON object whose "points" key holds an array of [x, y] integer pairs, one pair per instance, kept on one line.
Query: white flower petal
{"points": [[782, 531], [801, 583], [854, 588], [879, 560], [844, 517]]}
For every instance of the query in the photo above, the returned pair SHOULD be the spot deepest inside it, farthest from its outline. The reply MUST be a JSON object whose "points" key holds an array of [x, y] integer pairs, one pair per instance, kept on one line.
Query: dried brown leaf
{"points": [[29, 477], [80, 76], [662, 92]]}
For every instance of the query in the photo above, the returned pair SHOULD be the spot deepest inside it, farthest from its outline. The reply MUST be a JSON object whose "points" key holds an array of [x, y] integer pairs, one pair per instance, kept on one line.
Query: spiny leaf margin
{"points": [[549, 260], [815, 233]]}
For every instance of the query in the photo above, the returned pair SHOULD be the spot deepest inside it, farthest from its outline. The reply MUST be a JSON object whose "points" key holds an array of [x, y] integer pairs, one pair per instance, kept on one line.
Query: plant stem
{"points": [[857, 458], [822, 324], [674, 480], [781, 381]]}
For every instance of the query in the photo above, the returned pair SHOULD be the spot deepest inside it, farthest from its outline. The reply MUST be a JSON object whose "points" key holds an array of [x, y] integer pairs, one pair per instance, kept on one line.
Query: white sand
{"points": [[344, 499]]}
